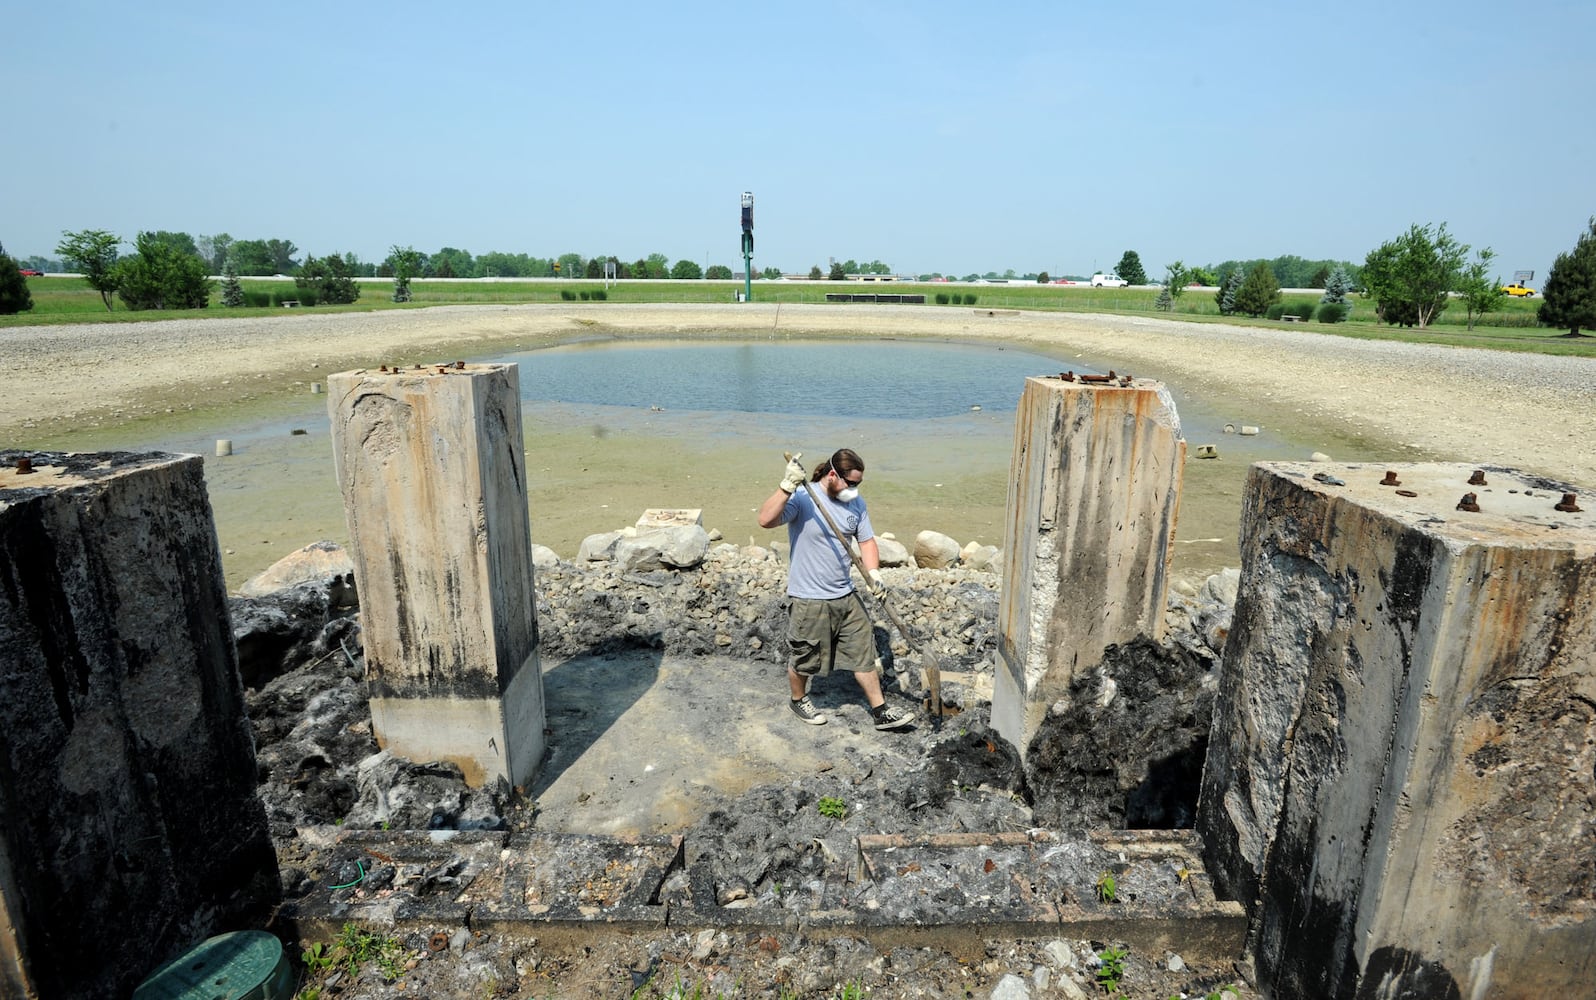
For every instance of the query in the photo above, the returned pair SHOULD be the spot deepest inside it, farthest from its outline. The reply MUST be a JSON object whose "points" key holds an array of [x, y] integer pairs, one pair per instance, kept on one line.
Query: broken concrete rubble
{"points": [[768, 858]]}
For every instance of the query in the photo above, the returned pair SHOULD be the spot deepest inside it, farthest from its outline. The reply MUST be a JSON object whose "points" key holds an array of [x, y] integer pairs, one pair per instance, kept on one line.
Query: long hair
{"points": [[844, 460]]}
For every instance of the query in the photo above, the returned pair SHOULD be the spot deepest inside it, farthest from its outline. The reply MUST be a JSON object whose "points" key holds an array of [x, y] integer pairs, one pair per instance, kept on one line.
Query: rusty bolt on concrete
{"points": [[1390, 479], [1568, 506], [1478, 479], [24, 466], [1470, 503]]}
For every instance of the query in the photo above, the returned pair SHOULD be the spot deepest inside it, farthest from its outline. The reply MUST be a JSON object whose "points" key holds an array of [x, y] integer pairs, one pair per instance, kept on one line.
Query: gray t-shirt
{"points": [[819, 564]]}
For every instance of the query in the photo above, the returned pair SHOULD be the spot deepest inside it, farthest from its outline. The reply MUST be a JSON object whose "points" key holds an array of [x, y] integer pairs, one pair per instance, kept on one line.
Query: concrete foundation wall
{"points": [[129, 825], [1400, 776], [1094, 494], [431, 465]]}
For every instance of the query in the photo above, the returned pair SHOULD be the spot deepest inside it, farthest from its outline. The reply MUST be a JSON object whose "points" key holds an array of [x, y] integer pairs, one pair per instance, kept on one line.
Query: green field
{"points": [[1512, 328]]}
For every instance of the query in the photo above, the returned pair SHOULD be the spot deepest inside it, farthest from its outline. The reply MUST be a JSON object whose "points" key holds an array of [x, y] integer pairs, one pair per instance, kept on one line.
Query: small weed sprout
{"points": [[317, 957], [1112, 970], [832, 807], [1107, 888]]}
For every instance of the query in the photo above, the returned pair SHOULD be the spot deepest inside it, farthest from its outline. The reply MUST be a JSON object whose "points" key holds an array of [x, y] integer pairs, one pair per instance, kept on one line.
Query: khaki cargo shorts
{"points": [[826, 635]]}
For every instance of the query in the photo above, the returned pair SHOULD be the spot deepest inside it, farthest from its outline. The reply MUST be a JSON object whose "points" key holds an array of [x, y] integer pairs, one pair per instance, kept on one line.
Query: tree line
{"points": [[1411, 279]]}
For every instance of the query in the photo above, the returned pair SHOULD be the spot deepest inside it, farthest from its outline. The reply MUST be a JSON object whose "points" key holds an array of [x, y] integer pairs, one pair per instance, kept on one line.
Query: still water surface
{"points": [[872, 380]]}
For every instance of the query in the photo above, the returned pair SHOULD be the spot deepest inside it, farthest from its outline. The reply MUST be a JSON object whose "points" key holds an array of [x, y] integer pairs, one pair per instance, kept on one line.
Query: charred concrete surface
{"points": [[1125, 749], [434, 482], [129, 824], [1400, 782], [669, 735], [1094, 493]]}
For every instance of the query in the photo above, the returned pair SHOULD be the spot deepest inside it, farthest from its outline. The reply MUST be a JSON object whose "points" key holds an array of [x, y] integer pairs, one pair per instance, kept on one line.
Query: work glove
{"points": [[878, 586], [794, 476]]}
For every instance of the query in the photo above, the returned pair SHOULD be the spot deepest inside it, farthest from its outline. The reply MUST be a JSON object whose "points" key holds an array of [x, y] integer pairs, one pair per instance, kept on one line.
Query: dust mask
{"points": [[847, 495]]}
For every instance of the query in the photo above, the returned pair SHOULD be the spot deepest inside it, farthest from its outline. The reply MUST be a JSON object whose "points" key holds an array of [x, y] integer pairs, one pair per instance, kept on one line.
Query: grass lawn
{"points": [[59, 300]]}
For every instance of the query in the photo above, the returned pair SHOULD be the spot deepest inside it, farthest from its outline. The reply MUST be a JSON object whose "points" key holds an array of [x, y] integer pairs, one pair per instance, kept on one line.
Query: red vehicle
{"points": [[28, 272]]}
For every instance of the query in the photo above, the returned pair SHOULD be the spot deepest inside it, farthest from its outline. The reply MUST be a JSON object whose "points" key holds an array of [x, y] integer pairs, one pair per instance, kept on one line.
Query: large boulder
{"points": [[983, 557], [544, 557], [893, 552], [318, 562], [677, 547], [934, 550], [599, 548]]}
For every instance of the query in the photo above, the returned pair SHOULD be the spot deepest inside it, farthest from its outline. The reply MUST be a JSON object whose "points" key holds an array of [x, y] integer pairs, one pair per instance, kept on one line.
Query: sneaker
{"points": [[805, 710], [886, 717]]}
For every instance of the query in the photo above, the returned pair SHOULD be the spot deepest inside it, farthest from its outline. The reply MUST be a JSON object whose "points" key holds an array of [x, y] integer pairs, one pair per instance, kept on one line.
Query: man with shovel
{"points": [[827, 626]]}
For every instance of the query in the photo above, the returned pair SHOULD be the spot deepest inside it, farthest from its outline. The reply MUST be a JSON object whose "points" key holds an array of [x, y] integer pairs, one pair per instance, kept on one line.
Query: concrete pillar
{"points": [[433, 473], [1399, 783], [1094, 493], [129, 824]]}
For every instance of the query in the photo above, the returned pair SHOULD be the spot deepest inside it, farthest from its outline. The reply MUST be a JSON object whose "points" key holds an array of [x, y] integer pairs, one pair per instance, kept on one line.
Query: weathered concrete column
{"points": [[129, 824], [431, 464], [1094, 493], [1399, 783]]}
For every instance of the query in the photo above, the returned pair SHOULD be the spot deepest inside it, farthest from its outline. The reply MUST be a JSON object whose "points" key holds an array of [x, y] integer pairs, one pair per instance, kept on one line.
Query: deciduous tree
{"points": [[1480, 291], [162, 275], [1130, 268], [214, 250], [719, 272], [403, 263], [838, 272], [1570, 289], [686, 270], [92, 253], [1409, 277]]}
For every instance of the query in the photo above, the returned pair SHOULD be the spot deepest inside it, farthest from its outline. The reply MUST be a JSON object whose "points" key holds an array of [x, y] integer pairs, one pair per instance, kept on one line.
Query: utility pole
{"points": [[748, 246]]}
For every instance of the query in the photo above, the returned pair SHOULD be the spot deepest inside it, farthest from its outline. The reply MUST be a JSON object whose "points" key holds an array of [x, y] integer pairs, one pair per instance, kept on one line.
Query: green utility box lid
{"points": [[243, 965]]}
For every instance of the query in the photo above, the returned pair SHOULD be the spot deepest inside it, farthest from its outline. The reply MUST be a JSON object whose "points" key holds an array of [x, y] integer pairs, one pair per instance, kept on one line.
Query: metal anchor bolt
{"points": [[25, 468], [1390, 479], [1478, 479], [459, 366], [1568, 506], [1470, 503]]}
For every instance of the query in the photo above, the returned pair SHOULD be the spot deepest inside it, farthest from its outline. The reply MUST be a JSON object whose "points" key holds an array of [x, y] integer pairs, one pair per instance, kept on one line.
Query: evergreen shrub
{"points": [[941, 298], [566, 295], [1275, 311], [1332, 312]]}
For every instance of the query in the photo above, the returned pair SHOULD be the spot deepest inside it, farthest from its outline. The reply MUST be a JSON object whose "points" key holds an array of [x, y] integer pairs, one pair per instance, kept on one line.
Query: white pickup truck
{"points": [[1101, 280]]}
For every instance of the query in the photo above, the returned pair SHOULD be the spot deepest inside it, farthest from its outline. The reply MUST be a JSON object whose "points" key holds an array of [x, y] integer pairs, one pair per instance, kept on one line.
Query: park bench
{"points": [[290, 303], [1291, 319]]}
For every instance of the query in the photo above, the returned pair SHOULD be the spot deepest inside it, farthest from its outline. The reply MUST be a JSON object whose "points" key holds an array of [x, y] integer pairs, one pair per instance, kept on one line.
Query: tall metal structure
{"points": [[748, 246]]}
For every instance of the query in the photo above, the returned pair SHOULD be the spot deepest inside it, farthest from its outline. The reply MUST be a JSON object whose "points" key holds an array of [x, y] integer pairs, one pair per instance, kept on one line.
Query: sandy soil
{"points": [[96, 387]]}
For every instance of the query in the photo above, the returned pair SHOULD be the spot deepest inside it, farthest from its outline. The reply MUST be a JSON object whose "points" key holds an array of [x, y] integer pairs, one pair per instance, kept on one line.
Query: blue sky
{"points": [[930, 136]]}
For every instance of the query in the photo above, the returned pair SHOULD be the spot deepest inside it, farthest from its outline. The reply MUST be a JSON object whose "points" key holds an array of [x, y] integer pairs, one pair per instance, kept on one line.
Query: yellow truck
{"points": [[1516, 290]]}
